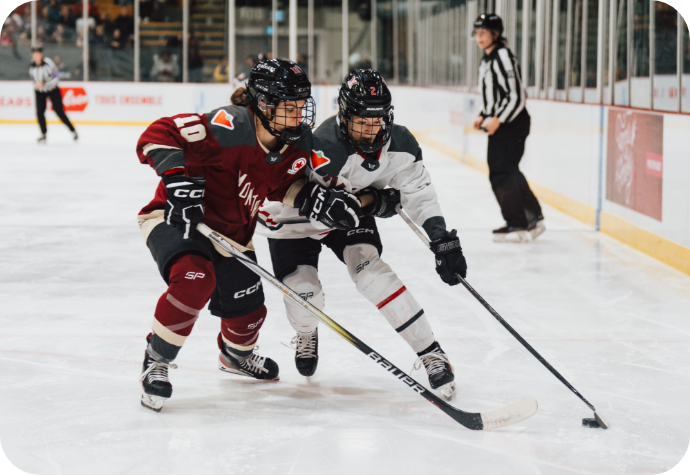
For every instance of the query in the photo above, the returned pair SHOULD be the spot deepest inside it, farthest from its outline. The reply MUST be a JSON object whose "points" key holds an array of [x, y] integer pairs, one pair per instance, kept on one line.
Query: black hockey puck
{"points": [[591, 423]]}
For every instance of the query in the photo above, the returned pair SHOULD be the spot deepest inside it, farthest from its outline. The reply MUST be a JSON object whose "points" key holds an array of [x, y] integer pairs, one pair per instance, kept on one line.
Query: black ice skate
{"points": [[536, 227], [439, 370], [75, 136], [306, 346], [253, 365], [512, 234], [155, 382], [41, 139]]}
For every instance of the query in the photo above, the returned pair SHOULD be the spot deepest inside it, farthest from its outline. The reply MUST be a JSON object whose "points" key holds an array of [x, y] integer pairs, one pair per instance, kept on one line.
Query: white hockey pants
{"points": [[377, 282]]}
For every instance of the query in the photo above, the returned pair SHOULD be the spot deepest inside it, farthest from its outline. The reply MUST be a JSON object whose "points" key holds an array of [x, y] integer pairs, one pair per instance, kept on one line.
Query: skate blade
{"points": [[514, 237], [155, 403], [538, 230], [447, 391], [231, 370]]}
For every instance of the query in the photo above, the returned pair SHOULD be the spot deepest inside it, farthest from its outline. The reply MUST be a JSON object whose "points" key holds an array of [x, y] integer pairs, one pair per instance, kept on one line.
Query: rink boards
{"points": [[622, 171]]}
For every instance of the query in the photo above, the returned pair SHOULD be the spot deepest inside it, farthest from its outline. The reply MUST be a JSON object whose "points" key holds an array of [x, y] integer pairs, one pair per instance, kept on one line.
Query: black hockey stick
{"points": [[504, 416], [602, 422]]}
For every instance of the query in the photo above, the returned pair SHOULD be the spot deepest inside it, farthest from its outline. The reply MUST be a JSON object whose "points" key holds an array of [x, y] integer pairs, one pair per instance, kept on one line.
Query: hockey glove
{"points": [[184, 207], [336, 209], [384, 203], [449, 258]]}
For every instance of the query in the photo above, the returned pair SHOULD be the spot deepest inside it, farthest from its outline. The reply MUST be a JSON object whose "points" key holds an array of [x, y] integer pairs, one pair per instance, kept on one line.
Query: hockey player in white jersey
{"points": [[361, 151]]}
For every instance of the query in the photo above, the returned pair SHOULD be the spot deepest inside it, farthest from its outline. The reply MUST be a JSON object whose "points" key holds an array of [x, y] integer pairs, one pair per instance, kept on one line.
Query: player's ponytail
{"points": [[239, 97]]}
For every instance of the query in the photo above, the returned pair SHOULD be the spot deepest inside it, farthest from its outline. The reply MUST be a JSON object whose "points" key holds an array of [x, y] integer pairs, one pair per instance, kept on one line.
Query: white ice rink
{"points": [[78, 290]]}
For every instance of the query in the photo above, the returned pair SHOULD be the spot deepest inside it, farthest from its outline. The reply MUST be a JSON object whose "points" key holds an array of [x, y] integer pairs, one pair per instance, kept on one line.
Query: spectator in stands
{"points": [[196, 62], [5, 39], [165, 67], [146, 9], [46, 21], [93, 9], [248, 65], [220, 74], [118, 42], [61, 35], [53, 11], [107, 24], [61, 68], [67, 18], [159, 10], [100, 38], [125, 23], [91, 24]]}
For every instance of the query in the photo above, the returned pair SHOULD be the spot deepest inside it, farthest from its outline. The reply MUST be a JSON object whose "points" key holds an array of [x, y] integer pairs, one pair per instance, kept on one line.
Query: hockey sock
{"points": [[191, 283], [239, 335], [381, 286], [305, 281]]}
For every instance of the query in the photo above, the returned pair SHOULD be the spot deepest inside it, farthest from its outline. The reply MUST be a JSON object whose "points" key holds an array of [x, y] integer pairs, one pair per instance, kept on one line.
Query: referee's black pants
{"points": [[56, 100], [518, 204]]}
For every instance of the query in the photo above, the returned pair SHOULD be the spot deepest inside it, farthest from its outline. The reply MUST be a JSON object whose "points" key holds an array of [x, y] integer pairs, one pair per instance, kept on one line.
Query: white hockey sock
{"points": [[376, 281], [305, 281]]}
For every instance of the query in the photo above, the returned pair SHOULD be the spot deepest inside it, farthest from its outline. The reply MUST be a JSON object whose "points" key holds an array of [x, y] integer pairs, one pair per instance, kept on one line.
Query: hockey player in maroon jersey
{"points": [[218, 168], [362, 151]]}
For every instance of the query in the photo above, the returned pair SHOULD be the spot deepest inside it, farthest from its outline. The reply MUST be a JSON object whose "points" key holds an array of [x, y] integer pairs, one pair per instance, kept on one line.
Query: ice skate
{"points": [[75, 136], [253, 365], [41, 139], [536, 227], [155, 383], [306, 347], [512, 234], [439, 370]]}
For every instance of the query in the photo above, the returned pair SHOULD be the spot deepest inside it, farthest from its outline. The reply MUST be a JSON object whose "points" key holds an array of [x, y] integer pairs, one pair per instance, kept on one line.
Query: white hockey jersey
{"points": [[335, 164]]}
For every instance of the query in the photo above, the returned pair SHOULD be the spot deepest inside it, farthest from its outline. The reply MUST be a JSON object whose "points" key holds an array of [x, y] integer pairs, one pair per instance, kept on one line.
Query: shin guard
{"points": [[191, 283], [376, 281], [240, 334], [305, 281]]}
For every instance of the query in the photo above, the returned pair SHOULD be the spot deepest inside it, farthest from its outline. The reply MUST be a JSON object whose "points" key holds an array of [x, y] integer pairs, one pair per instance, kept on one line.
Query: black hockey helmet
{"points": [[280, 80], [488, 21], [364, 94]]}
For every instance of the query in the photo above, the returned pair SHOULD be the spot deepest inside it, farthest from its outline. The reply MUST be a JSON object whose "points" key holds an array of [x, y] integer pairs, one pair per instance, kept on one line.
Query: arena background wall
{"points": [[625, 172]]}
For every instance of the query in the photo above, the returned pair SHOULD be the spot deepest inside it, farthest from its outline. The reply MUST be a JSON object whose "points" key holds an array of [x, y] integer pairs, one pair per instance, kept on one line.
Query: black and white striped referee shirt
{"points": [[47, 73], [500, 85]]}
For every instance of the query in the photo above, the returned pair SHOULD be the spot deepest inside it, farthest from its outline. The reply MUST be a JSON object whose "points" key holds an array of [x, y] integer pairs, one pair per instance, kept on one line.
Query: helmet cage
{"points": [[266, 107], [273, 83]]}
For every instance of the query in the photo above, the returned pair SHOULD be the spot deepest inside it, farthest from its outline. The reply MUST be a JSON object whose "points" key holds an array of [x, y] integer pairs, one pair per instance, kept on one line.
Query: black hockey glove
{"points": [[184, 207], [449, 258], [335, 208], [384, 203]]}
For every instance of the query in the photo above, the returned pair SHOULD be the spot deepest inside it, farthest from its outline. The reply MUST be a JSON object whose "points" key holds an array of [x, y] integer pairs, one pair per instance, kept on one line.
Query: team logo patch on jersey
{"points": [[297, 165], [318, 159], [223, 119]]}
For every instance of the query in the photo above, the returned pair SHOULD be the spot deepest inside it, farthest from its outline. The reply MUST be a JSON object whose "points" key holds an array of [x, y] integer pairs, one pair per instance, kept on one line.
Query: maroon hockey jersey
{"points": [[240, 173]]}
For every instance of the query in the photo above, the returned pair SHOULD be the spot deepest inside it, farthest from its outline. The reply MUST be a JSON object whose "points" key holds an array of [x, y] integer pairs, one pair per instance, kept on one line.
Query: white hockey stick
{"points": [[600, 421], [510, 414]]}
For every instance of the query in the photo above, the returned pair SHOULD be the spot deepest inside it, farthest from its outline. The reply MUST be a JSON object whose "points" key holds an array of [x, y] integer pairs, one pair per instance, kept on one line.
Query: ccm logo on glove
{"points": [[193, 194]]}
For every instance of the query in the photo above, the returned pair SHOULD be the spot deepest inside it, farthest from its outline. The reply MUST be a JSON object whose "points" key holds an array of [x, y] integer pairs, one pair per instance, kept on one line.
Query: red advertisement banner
{"points": [[634, 165]]}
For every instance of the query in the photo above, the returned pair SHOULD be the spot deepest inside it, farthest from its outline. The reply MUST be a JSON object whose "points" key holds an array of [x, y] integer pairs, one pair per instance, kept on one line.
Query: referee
{"points": [[505, 118], [46, 75]]}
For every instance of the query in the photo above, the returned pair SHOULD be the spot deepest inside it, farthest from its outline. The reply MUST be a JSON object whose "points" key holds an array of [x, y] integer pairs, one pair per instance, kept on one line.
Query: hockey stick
{"points": [[600, 420], [504, 416]]}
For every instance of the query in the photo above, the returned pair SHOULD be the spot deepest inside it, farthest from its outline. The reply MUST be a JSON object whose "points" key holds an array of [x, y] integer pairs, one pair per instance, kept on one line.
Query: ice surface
{"points": [[78, 289]]}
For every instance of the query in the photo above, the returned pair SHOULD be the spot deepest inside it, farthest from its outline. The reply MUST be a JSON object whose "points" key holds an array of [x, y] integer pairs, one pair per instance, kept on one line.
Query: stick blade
{"points": [[510, 414], [600, 419]]}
